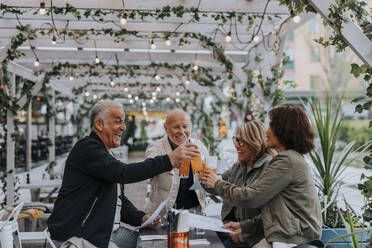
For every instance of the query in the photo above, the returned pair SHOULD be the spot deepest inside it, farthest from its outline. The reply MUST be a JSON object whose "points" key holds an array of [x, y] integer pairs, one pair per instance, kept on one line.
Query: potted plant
{"points": [[330, 163]]}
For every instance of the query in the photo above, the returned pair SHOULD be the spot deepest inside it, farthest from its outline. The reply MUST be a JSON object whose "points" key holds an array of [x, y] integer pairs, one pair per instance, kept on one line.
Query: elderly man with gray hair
{"points": [[91, 202]]}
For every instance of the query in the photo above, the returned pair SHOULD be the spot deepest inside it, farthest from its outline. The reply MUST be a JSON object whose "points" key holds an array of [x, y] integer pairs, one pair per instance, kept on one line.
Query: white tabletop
{"points": [[56, 183]]}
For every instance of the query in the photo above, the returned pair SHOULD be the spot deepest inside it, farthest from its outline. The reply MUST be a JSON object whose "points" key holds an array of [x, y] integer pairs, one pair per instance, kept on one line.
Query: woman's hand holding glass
{"points": [[210, 178]]}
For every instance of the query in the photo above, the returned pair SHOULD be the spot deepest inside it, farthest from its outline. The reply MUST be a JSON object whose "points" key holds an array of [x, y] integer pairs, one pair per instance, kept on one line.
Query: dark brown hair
{"points": [[292, 127]]}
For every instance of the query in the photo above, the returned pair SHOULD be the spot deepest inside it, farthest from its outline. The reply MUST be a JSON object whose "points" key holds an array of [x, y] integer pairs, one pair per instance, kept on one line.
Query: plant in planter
{"points": [[330, 163]]}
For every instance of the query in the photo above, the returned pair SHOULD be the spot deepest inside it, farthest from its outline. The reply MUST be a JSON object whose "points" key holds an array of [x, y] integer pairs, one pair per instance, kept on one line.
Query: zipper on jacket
{"points": [[90, 210]]}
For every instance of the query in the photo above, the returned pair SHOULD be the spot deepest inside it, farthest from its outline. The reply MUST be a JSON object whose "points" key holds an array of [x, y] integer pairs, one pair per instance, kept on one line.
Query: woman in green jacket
{"points": [[285, 191], [253, 158]]}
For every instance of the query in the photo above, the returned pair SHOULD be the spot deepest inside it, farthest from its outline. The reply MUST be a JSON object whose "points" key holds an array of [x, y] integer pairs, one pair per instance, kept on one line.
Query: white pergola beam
{"points": [[350, 32], [10, 147], [241, 6], [52, 130], [35, 89]]}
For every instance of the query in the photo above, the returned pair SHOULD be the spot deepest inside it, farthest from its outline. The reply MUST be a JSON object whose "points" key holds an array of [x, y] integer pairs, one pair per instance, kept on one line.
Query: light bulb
{"points": [[129, 96], [177, 93], [154, 98], [195, 67], [228, 37], [177, 100], [256, 38], [168, 42], [153, 93], [136, 98], [123, 19], [42, 10], [71, 78], [153, 46], [54, 40], [126, 89], [112, 83], [187, 82], [87, 93], [94, 96], [296, 19], [151, 101], [158, 89], [157, 77], [143, 104], [131, 101], [168, 99], [36, 63], [97, 60]]}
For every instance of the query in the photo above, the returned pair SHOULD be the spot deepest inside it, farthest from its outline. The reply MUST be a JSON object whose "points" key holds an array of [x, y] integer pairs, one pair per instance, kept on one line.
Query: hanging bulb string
{"points": [[259, 26]]}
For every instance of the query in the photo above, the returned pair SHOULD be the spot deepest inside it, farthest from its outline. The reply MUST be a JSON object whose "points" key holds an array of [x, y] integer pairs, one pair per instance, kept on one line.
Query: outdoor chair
{"points": [[9, 232]]}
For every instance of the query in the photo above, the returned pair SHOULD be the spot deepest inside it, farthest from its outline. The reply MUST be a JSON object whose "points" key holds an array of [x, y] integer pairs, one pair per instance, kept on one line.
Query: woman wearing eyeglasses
{"points": [[253, 158], [285, 191]]}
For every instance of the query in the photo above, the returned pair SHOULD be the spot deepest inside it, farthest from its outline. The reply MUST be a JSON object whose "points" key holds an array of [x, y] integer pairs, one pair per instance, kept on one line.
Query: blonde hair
{"points": [[253, 133]]}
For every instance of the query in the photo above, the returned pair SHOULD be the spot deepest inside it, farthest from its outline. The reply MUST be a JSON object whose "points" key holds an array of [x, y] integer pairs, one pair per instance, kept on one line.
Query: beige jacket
{"points": [[166, 185], [288, 199]]}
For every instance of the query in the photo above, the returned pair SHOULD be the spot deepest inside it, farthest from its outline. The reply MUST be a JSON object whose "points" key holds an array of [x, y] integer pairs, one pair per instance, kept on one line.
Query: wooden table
{"points": [[211, 236]]}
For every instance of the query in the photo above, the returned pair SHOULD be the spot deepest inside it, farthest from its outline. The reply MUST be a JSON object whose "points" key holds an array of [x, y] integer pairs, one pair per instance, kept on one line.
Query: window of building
{"points": [[289, 36], [315, 82], [289, 65], [314, 54], [314, 26]]}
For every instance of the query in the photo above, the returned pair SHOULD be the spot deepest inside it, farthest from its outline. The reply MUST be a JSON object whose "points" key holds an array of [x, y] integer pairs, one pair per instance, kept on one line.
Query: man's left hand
{"points": [[154, 223]]}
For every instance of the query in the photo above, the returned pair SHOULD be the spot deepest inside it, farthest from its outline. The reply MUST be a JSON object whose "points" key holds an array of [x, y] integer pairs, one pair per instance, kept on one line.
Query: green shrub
{"points": [[355, 130]]}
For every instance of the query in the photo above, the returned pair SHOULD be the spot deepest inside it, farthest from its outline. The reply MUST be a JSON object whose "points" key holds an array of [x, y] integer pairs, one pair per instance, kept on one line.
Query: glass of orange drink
{"points": [[211, 165]]}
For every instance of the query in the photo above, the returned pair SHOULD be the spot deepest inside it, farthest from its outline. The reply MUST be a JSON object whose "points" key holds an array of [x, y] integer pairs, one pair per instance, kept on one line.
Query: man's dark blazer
{"points": [[86, 202]]}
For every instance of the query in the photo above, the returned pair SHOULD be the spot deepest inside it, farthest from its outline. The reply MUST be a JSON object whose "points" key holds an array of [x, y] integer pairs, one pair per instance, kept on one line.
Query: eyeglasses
{"points": [[238, 141]]}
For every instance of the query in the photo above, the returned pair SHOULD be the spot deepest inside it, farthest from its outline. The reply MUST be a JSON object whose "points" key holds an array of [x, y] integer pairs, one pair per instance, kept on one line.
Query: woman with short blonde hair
{"points": [[253, 158]]}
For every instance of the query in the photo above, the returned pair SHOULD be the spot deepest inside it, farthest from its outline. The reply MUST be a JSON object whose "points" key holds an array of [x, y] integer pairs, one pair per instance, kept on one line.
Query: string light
{"points": [[131, 101], [136, 98], [168, 42], [143, 104], [71, 77], [256, 38], [177, 100], [97, 60], [36, 63], [112, 83], [54, 40], [129, 96], [195, 67], [123, 19], [168, 99], [42, 10], [228, 37], [295, 18], [157, 77], [151, 101], [177, 93], [94, 96], [187, 82], [126, 89], [154, 98], [153, 46], [158, 89], [87, 93], [153, 93]]}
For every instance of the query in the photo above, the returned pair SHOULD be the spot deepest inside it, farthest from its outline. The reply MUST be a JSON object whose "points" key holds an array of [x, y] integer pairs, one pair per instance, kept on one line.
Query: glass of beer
{"points": [[211, 164]]}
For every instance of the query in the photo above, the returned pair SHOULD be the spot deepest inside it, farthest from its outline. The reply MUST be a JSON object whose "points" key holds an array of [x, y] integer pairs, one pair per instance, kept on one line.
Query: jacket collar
{"points": [[260, 161], [95, 136]]}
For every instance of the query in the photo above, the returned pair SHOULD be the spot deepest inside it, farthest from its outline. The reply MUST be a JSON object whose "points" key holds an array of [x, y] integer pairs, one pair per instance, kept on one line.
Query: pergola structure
{"points": [[248, 29]]}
